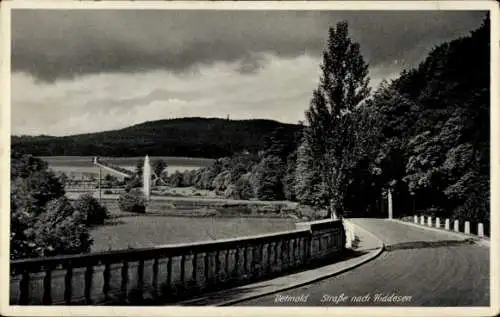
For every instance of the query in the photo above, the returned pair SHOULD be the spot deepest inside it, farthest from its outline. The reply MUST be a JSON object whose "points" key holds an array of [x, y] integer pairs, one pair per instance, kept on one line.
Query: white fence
{"points": [[436, 222]]}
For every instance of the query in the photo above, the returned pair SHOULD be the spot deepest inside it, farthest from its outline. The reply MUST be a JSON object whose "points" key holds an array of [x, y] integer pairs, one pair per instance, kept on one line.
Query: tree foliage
{"points": [[158, 167], [269, 175], [329, 134], [433, 130], [133, 201], [91, 210], [43, 221]]}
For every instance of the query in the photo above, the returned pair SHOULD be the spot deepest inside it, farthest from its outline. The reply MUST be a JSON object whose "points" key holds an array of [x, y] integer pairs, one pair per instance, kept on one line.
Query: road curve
{"points": [[420, 267]]}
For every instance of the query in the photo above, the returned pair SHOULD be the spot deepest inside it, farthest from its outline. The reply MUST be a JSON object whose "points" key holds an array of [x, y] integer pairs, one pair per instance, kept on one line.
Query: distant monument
{"points": [[146, 178]]}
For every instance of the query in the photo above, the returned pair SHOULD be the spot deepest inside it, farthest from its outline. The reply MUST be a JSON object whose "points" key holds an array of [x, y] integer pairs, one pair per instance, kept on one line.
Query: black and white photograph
{"points": [[242, 155]]}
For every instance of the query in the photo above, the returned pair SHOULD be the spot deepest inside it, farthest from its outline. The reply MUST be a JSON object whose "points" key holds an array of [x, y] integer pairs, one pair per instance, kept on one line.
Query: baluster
{"points": [[206, 268], [47, 286], [295, 256], [283, 254], [227, 263], [183, 269], [124, 286], [140, 275], [155, 275], [88, 284], [195, 266], [253, 262], [106, 286], [276, 253], [24, 288], [217, 267], [269, 259], [260, 260], [236, 261], [307, 249], [169, 271], [68, 284], [245, 259]]}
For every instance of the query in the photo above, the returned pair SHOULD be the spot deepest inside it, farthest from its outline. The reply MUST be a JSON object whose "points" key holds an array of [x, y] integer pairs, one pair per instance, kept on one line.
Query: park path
{"points": [[423, 267]]}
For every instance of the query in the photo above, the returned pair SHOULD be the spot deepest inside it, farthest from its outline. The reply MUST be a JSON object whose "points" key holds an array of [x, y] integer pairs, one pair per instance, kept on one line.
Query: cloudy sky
{"points": [[79, 71]]}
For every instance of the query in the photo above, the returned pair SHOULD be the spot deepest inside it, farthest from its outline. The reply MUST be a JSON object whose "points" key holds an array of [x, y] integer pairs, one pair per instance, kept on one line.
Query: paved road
{"points": [[432, 267]]}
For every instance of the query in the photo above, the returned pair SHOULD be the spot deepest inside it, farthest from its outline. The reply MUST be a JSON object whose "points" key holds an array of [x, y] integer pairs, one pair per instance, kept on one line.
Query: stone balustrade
{"points": [[172, 272]]}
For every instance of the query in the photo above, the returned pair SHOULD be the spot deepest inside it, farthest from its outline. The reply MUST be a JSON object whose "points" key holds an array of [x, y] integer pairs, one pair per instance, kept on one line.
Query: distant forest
{"points": [[184, 137]]}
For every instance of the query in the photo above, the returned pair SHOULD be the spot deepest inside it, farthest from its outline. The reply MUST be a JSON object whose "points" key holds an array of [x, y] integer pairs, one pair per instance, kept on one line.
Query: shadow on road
{"points": [[427, 244]]}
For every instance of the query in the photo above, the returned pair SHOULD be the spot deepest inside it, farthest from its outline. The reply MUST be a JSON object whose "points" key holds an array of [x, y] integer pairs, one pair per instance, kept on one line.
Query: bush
{"points": [[243, 189], [176, 179], [93, 212], [59, 230], [132, 202], [221, 182], [133, 183]]}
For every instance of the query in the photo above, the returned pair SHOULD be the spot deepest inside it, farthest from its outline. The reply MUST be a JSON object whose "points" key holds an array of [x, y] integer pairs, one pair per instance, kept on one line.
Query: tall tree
{"points": [[159, 166], [329, 124], [139, 166], [269, 175]]}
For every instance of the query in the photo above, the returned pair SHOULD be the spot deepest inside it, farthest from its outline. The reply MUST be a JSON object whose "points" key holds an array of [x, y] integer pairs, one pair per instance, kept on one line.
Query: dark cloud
{"points": [[52, 44]]}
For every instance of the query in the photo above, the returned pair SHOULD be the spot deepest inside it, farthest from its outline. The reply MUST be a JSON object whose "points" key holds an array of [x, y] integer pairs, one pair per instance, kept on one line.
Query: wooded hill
{"points": [[184, 137]]}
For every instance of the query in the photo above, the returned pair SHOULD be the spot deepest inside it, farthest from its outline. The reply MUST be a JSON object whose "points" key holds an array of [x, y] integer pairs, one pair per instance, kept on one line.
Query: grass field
{"points": [[139, 231]]}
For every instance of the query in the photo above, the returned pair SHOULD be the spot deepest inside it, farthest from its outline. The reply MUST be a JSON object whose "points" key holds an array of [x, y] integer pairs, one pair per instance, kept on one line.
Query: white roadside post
{"points": [[422, 220], [467, 227], [429, 221], [447, 224], [480, 229], [455, 226], [438, 223], [415, 219]]}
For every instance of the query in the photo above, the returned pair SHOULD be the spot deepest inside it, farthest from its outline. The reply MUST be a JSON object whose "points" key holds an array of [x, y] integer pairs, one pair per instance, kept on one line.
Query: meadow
{"points": [[126, 230], [140, 231]]}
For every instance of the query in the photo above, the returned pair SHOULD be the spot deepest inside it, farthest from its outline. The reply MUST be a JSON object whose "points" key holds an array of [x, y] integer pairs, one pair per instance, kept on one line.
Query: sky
{"points": [[82, 71]]}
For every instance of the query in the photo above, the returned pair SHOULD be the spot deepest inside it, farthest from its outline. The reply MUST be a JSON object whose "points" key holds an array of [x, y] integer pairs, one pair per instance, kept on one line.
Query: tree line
{"points": [[423, 136]]}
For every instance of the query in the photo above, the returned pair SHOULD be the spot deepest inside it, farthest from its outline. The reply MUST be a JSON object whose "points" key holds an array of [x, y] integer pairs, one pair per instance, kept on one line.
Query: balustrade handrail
{"points": [[118, 256]]}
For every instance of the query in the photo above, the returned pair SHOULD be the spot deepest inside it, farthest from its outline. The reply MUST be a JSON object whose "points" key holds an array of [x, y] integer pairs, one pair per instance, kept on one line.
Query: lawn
{"points": [[150, 230]]}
